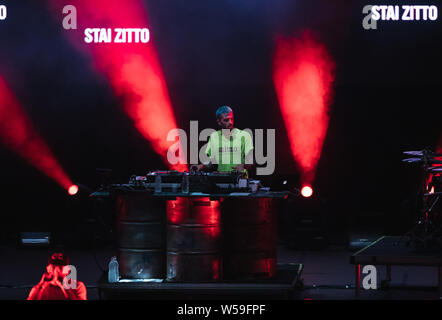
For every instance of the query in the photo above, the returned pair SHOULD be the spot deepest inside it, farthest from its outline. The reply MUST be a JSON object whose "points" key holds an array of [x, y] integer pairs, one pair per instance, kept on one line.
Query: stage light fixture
{"points": [[35, 238], [18, 133], [306, 191], [73, 190]]}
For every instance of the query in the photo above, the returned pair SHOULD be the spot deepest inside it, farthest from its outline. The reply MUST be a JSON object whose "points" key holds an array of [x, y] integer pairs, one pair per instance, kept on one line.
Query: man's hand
{"points": [[56, 282], [44, 282], [55, 275], [239, 168], [196, 167], [43, 279]]}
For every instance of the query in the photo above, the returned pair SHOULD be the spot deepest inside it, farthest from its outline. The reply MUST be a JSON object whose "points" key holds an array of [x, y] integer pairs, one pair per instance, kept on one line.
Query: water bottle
{"points": [[185, 183], [113, 274]]}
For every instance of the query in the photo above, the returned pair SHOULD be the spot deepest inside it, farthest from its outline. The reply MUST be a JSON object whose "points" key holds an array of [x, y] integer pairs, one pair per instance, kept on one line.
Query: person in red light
{"points": [[52, 285]]}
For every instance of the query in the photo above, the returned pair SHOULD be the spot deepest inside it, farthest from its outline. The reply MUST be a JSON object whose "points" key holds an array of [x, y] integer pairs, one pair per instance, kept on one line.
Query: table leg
{"points": [[388, 273], [358, 280], [385, 284], [440, 281]]}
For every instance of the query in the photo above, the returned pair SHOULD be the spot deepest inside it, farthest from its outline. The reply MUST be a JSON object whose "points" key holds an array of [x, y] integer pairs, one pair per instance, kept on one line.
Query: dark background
{"points": [[386, 100]]}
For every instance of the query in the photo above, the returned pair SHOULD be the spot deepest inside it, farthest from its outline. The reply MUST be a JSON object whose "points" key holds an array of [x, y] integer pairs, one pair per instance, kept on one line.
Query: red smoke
{"points": [[18, 134], [439, 146], [133, 69], [303, 75]]}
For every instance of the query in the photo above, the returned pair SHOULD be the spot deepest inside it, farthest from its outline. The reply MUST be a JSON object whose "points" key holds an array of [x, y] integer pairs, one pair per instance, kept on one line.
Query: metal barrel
{"points": [[141, 236], [194, 240], [249, 238]]}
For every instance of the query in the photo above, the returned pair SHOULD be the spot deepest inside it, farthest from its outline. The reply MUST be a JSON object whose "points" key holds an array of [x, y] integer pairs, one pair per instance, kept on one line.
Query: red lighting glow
{"points": [[306, 191], [215, 269], [133, 69], [18, 134], [303, 77], [439, 146], [73, 190]]}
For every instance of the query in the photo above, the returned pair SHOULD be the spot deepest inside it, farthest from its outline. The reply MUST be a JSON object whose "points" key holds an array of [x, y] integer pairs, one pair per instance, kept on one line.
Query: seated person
{"points": [[54, 284]]}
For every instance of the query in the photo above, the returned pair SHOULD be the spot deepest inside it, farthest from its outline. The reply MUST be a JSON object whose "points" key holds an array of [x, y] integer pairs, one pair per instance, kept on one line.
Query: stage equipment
{"points": [[194, 240], [141, 236], [423, 153], [188, 182], [284, 286], [427, 233], [391, 251], [306, 191], [73, 190], [191, 226], [35, 239]]}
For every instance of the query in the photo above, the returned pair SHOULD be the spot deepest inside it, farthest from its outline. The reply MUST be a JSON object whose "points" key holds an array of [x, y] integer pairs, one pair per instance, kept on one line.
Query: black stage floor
{"points": [[327, 274]]}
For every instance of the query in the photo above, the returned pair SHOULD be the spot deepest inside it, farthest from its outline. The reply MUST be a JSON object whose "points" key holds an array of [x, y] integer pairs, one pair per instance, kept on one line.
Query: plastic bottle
{"points": [[113, 274], [185, 183]]}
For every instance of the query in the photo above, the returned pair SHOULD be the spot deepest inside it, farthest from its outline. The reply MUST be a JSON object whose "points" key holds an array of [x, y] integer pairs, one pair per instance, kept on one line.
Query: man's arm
{"points": [[38, 288], [204, 167], [248, 163], [33, 295], [249, 160], [247, 149], [211, 166], [79, 293]]}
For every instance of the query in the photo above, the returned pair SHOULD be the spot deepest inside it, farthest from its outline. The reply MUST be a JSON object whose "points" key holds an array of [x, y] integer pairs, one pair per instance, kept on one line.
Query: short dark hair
{"points": [[223, 110], [58, 259]]}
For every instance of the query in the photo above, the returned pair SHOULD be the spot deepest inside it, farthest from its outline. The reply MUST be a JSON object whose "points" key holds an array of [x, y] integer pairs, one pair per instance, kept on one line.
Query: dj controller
{"points": [[191, 182]]}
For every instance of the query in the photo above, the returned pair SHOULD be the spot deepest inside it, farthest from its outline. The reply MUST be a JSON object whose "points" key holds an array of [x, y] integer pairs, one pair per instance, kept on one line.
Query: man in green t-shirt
{"points": [[229, 149]]}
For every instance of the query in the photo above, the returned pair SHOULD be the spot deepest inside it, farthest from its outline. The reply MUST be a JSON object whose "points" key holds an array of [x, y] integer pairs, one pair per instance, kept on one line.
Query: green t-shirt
{"points": [[228, 153]]}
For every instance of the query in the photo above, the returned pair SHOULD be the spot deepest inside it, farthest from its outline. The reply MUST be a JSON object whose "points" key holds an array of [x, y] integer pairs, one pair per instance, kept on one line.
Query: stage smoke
{"points": [[303, 75], [133, 69], [19, 135]]}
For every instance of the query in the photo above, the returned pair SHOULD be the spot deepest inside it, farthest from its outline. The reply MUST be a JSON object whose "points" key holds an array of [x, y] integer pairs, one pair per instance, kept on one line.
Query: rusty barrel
{"points": [[141, 236], [194, 240], [249, 238]]}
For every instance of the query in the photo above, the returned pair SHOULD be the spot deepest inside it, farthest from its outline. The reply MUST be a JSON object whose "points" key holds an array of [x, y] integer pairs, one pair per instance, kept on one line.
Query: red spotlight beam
{"points": [[302, 75], [18, 134], [133, 69], [439, 146]]}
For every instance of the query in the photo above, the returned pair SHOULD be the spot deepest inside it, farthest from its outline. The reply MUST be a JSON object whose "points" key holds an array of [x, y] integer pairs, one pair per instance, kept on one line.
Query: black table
{"points": [[266, 194], [393, 250]]}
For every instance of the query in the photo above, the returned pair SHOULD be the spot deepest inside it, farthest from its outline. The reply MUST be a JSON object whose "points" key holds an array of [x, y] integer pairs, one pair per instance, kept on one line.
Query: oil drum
{"points": [[193, 240], [249, 238], [141, 236]]}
